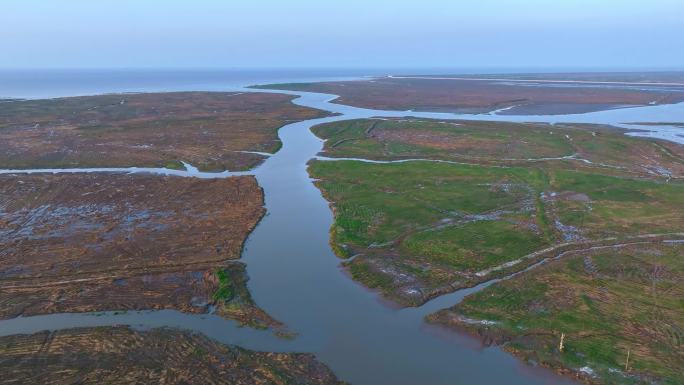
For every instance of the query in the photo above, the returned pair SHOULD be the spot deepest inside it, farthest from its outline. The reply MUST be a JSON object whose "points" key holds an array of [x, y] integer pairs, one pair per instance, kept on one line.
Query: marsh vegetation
{"points": [[430, 207]]}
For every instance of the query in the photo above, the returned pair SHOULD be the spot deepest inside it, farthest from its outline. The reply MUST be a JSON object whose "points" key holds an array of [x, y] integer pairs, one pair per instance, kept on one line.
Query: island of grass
{"points": [[96, 242], [120, 355], [477, 94], [617, 310], [213, 131], [418, 229]]}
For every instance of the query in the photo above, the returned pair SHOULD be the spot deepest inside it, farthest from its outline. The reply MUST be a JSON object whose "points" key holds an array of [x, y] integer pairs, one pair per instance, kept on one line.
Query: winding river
{"points": [[296, 278]]}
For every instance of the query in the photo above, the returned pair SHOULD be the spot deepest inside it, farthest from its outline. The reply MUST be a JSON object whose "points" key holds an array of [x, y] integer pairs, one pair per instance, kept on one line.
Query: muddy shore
{"points": [[121, 355], [95, 242], [484, 96]]}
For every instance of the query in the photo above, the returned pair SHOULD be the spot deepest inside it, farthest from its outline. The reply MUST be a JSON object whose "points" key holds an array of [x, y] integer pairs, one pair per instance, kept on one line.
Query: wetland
{"points": [[434, 200]]}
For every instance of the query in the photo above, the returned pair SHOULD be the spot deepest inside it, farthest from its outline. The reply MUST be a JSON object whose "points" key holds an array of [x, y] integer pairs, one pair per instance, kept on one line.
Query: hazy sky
{"points": [[342, 33]]}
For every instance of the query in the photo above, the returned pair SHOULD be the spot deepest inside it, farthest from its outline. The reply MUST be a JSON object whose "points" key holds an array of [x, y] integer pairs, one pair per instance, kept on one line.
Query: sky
{"points": [[592, 34]]}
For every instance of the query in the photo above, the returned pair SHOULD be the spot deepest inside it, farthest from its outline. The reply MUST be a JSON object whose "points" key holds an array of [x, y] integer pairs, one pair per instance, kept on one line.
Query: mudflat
{"points": [[645, 78], [477, 95], [211, 130], [92, 242], [120, 355]]}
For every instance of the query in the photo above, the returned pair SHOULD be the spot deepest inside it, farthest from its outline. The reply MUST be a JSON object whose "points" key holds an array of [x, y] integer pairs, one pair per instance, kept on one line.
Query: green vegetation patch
{"points": [[429, 221], [418, 229], [233, 300], [396, 139], [378, 203], [476, 245], [607, 303], [175, 165], [225, 291], [616, 206]]}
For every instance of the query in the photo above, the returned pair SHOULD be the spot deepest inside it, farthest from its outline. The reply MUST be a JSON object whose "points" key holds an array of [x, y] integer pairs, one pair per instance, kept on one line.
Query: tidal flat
{"points": [[505, 94], [96, 242], [122, 355], [214, 131]]}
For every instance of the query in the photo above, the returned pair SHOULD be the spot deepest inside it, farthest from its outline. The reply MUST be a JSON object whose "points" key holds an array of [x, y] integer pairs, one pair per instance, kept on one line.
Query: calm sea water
{"points": [[56, 83]]}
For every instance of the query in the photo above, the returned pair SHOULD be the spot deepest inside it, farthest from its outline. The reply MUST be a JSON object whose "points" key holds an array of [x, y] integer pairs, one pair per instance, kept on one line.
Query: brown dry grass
{"points": [[91, 242], [119, 355], [480, 96], [205, 129]]}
